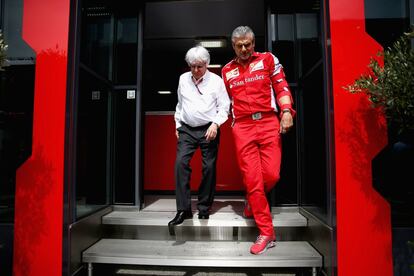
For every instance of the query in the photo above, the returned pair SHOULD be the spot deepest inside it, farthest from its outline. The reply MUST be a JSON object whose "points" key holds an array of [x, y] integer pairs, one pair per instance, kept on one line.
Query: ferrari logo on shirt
{"points": [[232, 74], [256, 66]]}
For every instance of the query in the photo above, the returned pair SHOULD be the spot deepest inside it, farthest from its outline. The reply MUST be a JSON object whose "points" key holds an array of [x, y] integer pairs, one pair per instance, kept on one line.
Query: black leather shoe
{"points": [[203, 215], [179, 218]]}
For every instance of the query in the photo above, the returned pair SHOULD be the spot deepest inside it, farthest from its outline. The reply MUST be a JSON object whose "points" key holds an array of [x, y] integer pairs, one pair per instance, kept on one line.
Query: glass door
{"points": [[92, 151], [106, 106], [123, 145], [296, 37]]}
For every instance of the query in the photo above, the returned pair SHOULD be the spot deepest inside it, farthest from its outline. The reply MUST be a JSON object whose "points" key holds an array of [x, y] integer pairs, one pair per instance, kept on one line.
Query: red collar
{"points": [[254, 56]]}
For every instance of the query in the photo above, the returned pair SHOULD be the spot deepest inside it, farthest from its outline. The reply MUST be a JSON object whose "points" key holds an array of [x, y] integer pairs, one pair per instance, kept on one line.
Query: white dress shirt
{"points": [[202, 104]]}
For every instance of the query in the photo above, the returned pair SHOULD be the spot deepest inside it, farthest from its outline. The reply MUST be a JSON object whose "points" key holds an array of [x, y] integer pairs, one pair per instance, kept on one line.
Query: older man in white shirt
{"points": [[203, 106]]}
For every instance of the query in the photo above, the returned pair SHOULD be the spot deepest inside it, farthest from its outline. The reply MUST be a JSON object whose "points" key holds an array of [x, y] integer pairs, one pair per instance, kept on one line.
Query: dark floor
{"points": [[109, 270]]}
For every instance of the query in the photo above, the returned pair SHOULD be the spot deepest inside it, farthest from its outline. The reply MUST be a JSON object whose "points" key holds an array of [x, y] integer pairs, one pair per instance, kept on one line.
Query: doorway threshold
{"points": [[166, 203]]}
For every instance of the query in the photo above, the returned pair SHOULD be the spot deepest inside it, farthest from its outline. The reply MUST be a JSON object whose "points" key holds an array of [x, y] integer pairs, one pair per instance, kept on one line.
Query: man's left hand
{"points": [[286, 122], [211, 132]]}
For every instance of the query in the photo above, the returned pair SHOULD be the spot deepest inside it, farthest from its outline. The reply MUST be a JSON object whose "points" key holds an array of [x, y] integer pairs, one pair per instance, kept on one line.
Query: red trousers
{"points": [[258, 147]]}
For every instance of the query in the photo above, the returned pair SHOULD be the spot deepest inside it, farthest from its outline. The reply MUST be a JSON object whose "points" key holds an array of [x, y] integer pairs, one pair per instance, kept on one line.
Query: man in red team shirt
{"points": [[259, 92]]}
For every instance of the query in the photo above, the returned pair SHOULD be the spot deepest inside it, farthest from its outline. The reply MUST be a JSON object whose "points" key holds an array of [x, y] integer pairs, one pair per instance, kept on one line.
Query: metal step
{"points": [[225, 212], [293, 254], [222, 219]]}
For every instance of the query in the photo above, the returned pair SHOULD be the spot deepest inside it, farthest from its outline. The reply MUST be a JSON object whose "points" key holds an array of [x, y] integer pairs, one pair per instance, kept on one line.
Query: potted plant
{"points": [[391, 87]]}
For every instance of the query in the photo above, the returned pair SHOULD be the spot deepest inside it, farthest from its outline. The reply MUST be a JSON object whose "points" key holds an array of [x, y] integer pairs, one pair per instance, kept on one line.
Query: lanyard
{"points": [[196, 83]]}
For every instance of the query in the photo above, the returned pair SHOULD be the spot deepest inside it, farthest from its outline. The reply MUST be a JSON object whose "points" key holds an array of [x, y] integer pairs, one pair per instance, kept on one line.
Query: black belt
{"points": [[196, 127]]}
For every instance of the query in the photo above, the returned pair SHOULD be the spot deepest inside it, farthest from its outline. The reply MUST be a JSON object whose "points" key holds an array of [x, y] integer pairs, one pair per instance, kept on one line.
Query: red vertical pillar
{"points": [[363, 217], [39, 183]]}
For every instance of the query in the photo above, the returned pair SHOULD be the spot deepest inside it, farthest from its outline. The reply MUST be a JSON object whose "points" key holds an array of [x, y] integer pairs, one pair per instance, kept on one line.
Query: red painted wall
{"points": [[363, 216], [39, 183], [160, 151]]}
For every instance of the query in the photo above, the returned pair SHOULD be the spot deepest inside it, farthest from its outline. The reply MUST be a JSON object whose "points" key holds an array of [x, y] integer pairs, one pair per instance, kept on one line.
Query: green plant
{"points": [[391, 87], [411, 244], [3, 49]]}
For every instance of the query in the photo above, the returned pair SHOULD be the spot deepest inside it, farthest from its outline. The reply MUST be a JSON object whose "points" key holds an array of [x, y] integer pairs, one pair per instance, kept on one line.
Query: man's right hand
{"points": [[286, 122], [211, 132]]}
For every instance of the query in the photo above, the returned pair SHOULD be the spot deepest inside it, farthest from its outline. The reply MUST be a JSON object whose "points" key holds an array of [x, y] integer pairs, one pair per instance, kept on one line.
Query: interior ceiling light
{"points": [[164, 92], [214, 66], [213, 43]]}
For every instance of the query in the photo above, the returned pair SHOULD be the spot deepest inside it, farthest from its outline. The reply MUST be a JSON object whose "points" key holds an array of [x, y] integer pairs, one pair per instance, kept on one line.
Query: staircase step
{"points": [[200, 254], [218, 219]]}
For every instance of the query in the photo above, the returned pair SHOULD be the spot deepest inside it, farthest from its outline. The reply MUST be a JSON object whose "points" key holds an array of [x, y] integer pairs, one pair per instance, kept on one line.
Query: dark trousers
{"points": [[190, 138]]}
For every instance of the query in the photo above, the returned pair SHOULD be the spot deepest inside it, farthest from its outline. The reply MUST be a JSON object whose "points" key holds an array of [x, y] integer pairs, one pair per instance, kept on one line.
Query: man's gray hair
{"points": [[242, 31], [198, 53]]}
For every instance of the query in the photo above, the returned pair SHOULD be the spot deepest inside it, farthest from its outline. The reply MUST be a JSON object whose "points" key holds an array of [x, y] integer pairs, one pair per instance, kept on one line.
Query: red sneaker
{"points": [[247, 212], [262, 244]]}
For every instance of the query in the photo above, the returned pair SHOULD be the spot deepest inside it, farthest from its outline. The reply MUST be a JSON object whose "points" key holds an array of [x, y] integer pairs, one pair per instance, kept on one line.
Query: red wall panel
{"points": [[363, 216], [39, 183], [160, 151]]}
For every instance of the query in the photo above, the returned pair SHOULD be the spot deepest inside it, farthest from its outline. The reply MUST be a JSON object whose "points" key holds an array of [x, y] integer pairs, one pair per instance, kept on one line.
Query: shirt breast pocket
{"points": [[209, 97]]}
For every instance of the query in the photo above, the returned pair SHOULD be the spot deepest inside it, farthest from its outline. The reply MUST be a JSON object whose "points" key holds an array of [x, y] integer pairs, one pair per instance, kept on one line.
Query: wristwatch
{"points": [[286, 110]]}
